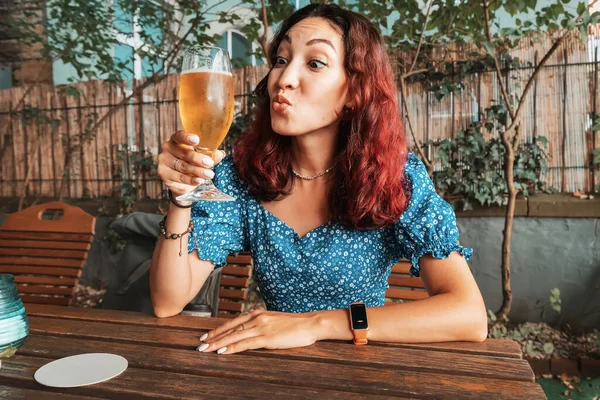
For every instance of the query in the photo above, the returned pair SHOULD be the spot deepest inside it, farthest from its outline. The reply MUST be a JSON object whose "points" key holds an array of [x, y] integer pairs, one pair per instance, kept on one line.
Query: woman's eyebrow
{"points": [[312, 41]]}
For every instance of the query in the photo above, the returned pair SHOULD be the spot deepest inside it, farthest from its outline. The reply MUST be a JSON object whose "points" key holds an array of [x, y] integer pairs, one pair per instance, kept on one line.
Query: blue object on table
{"points": [[14, 325]]}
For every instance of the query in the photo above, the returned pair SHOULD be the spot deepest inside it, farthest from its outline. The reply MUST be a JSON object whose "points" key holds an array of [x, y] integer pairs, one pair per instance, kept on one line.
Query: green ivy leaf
{"points": [[491, 315], [548, 348], [489, 47]]}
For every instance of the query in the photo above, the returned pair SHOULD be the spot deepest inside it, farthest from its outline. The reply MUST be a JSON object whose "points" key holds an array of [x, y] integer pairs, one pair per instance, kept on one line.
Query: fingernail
{"points": [[198, 180], [203, 347], [194, 139], [208, 161], [203, 338], [209, 174], [222, 350]]}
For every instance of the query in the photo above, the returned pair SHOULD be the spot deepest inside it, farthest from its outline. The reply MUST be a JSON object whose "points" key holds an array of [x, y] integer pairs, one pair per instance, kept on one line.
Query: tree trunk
{"points": [[509, 161]]}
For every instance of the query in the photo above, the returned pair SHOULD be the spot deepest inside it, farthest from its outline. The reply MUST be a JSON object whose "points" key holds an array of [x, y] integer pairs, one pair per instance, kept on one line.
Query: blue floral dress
{"points": [[331, 266]]}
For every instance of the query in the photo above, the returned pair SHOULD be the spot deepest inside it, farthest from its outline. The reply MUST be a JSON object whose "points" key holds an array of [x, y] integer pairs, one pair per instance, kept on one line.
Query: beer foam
{"points": [[205, 69]]}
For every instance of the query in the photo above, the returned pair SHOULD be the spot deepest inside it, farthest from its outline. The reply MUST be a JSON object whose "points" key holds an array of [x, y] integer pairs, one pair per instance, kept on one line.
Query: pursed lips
{"points": [[280, 103]]}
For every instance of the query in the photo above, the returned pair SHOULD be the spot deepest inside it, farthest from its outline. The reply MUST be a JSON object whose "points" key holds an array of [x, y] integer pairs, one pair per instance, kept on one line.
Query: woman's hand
{"points": [[263, 329], [192, 168]]}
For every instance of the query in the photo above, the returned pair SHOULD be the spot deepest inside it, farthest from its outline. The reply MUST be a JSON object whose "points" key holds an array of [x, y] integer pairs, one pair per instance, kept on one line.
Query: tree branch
{"points": [[418, 71], [422, 36], [428, 164], [264, 38], [488, 34]]}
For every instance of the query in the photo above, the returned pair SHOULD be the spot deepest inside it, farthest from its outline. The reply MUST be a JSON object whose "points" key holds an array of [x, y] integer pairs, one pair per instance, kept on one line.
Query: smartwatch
{"points": [[358, 322]]}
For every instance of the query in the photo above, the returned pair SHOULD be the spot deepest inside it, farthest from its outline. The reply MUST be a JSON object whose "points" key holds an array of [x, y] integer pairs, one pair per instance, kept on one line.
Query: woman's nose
{"points": [[288, 78]]}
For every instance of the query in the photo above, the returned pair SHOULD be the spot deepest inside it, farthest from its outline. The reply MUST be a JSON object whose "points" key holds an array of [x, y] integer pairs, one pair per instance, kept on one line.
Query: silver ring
{"points": [[176, 163], [243, 327]]}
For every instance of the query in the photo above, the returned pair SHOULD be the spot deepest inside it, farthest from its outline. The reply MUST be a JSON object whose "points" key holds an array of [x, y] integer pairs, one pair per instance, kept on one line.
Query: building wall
{"points": [[19, 64], [546, 253]]}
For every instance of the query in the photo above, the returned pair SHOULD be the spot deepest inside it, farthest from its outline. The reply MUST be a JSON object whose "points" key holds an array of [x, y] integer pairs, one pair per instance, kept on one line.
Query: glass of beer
{"points": [[206, 107]]}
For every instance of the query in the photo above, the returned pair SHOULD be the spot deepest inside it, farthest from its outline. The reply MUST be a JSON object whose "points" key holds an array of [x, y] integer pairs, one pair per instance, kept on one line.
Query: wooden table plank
{"points": [[17, 393], [292, 373], [491, 347], [347, 353], [136, 383]]}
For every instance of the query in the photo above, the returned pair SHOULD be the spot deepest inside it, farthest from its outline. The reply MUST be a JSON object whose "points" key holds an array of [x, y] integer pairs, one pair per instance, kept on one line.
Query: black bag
{"points": [[130, 287]]}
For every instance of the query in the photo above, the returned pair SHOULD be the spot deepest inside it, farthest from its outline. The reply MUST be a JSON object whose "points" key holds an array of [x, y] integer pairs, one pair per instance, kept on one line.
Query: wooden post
{"points": [[142, 142], [175, 105], [85, 191], [54, 139], [111, 150], [427, 118], [25, 152], [535, 84], [563, 182], [100, 134], [596, 115], [452, 96], [66, 174], [157, 192], [13, 151]]}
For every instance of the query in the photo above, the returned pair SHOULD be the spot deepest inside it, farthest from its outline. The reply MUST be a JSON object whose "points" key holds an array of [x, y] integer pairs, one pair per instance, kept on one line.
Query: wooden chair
{"points": [[403, 286], [235, 280], [45, 247]]}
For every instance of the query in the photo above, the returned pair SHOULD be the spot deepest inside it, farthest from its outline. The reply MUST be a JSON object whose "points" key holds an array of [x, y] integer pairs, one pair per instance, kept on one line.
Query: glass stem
{"points": [[207, 184]]}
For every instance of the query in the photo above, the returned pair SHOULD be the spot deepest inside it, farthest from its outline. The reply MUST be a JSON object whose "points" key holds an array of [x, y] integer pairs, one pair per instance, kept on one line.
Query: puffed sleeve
{"points": [[428, 225], [220, 227]]}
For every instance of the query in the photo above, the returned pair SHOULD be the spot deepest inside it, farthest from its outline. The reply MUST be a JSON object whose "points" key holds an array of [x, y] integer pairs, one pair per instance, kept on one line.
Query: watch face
{"points": [[359, 316]]}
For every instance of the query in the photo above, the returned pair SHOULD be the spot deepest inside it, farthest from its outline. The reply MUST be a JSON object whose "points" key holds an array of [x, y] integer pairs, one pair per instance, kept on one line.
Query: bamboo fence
{"points": [[560, 107]]}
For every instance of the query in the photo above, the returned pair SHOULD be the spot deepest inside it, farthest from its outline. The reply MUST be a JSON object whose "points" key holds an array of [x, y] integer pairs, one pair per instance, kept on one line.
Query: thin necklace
{"points": [[310, 178]]}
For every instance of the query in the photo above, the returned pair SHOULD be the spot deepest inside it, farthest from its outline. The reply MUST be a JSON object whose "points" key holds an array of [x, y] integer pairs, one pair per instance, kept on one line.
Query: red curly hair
{"points": [[369, 188]]}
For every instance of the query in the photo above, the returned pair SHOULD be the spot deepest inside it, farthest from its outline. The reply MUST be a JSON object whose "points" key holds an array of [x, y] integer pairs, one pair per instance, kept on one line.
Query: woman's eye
{"points": [[280, 60], [316, 64]]}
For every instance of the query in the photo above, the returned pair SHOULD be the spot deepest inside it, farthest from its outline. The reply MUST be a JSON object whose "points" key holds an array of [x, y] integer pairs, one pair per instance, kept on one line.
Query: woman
{"points": [[328, 200]]}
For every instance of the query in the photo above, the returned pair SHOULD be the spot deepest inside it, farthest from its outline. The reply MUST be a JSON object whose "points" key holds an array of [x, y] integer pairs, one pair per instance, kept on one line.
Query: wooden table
{"points": [[163, 363]]}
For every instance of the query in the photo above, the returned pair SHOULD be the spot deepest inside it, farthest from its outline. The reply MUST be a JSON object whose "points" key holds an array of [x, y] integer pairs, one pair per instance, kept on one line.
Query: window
{"points": [[239, 49], [5, 77]]}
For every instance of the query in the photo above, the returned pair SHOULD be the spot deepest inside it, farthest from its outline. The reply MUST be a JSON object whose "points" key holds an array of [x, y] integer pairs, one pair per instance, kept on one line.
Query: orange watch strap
{"points": [[360, 337]]}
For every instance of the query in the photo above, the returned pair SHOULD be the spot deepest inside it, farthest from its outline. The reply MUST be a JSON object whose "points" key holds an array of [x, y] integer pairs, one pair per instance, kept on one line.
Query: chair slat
{"points": [[406, 294], [234, 282], [43, 280], [240, 259], [29, 269], [230, 306], [52, 262], [401, 268], [52, 236], [31, 289], [233, 294], [237, 271], [42, 244], [21, 252], [32, 299]]}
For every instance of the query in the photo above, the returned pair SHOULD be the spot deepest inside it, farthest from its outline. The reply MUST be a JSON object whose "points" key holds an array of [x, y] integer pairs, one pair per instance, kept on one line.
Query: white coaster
{"points": [[81, 370]]}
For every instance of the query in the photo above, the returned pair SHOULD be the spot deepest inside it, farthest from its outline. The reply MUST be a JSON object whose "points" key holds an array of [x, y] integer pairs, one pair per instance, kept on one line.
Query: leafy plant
{"points": [[472, 168], [131, 165], [555, 300]]}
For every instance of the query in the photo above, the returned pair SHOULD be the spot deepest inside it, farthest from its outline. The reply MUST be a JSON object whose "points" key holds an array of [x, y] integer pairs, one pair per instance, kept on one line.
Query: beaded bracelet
{"points": [[179, 236]]}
